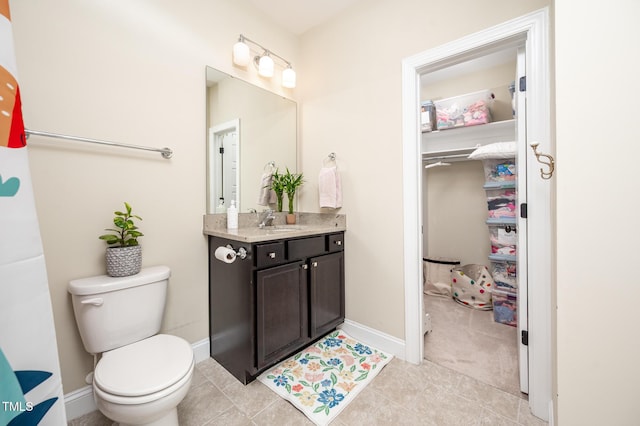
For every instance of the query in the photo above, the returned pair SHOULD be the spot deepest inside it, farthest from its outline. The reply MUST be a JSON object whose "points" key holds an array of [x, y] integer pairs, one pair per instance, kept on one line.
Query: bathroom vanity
{"points": [[283, 290]]}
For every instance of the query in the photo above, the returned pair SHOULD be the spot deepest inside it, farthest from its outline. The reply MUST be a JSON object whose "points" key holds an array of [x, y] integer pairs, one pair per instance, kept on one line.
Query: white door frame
{"points": [[532, 30], [523, 151]]}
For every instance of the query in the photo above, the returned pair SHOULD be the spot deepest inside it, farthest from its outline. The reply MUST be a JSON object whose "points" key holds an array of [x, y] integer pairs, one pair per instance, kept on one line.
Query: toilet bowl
{"points": [[141, 376], [142, 383]]}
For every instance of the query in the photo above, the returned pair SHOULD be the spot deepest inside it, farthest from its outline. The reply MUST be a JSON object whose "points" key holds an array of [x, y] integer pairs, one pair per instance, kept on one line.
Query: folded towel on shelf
{"points": [[496, 150], [330, 188], [266, 195]]}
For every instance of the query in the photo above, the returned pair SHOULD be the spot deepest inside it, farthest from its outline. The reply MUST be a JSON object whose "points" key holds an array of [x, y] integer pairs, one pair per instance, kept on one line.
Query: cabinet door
{"points": [[281, 312], [327, 293]]}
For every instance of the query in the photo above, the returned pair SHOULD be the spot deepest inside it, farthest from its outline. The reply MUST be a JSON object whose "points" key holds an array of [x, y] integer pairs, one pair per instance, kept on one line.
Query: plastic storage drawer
{"points": [[501, 203], [505, 306], [504, 240], [464, 110], [505, 274], [501, 170]]}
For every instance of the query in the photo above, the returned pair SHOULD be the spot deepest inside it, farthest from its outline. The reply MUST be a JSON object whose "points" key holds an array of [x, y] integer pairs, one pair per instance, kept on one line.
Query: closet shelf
{"points": [[508, 184], [502, 221], [465, 137], [502, 258]]}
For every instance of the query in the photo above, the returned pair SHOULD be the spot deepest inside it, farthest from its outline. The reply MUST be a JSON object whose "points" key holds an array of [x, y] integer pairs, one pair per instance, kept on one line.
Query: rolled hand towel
{"points": [[266, 195], [330, 188]]}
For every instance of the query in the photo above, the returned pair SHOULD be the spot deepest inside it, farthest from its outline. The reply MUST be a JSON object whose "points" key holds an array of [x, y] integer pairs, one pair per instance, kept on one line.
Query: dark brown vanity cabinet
{"points": [[282, 311], [285, 294], [326, 280]]}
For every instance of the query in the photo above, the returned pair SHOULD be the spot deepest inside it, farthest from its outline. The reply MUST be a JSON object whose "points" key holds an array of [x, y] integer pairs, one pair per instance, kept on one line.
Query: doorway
{"points": [[461, 226], [531, 33], [224, 153]]}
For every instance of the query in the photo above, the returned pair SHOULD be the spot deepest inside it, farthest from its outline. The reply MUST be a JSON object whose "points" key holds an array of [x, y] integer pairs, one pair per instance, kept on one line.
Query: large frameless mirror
{"points": [[249, 131]]}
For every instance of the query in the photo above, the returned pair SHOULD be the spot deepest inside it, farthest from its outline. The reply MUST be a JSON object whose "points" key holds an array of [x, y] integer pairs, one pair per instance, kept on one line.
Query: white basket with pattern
{"points": [[472, 285]]}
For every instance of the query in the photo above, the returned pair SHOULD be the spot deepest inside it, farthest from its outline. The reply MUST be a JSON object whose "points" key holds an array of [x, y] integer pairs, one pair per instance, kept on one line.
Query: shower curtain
{"points": [[30, 384]]}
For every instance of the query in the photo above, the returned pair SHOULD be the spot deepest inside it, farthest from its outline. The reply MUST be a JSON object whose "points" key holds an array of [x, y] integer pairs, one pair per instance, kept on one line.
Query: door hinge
{"points": [[221, 150], [523, 210], [523, 83], [525, 337]]}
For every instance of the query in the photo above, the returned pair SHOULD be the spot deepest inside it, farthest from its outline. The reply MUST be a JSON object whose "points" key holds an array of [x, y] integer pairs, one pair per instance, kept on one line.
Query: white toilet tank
{"points": [[115, 311]]}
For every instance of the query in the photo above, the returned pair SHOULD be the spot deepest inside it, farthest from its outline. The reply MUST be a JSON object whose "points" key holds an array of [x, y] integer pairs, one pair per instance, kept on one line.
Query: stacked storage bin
{"points": [[500, 185]]}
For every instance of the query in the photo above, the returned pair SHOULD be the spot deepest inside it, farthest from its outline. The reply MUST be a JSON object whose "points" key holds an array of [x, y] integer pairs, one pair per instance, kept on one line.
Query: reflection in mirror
{"points": [[249, 129]]}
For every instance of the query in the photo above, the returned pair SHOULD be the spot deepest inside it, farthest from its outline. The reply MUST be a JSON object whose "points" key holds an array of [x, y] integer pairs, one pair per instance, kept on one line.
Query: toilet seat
{"points": [[144, 371]]}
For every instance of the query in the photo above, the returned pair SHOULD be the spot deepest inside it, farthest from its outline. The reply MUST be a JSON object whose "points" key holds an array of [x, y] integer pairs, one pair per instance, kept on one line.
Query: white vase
{"points": [[123, 261]]}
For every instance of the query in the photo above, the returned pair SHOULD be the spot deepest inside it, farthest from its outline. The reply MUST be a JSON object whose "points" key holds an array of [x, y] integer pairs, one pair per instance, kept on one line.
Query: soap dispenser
{"points": [[232, 216]]}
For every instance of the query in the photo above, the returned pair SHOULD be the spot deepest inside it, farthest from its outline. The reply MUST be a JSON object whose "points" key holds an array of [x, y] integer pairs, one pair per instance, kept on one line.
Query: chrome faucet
{"points": [[266, 218]]}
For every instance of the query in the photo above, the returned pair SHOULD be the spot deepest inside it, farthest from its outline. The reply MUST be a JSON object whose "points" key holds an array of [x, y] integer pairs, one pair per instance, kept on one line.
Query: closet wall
{"points": [[455, 207], [454, 202]]}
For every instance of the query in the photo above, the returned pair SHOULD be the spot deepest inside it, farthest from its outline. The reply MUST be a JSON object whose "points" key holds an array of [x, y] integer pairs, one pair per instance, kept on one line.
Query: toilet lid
{"points": [[144, 367]]}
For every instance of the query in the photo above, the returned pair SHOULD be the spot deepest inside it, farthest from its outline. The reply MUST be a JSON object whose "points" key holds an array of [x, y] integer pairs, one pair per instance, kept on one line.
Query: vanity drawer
{"points": [[269, 254], [335, 242], [305, 247]]}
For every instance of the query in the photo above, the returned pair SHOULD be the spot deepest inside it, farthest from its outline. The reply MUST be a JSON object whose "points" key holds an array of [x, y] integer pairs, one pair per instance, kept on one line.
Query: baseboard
{"points": [[80, 402], [375, 338], [201, 350]]}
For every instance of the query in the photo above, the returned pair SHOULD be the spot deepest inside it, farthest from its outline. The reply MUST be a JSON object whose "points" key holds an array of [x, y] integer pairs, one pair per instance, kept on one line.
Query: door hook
{"points": [[550, 163]]}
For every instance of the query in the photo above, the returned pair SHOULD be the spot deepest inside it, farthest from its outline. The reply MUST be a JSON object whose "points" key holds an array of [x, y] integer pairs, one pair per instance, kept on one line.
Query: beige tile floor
{"points": [[401, 394]]}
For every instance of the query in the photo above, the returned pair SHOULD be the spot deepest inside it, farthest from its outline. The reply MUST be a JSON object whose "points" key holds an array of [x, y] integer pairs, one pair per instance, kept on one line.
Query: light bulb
{"points": [[289, 78], [241, 55], [265, 66]]}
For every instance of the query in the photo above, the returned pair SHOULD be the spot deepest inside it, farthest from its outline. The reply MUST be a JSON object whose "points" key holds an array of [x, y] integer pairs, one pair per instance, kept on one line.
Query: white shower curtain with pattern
{"points": [[30, 383]]}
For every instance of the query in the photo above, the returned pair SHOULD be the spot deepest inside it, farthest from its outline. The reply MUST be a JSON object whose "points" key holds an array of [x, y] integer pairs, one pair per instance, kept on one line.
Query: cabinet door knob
{"points": [[338, 242], [272, 255], [305, 266], [314, 264]]}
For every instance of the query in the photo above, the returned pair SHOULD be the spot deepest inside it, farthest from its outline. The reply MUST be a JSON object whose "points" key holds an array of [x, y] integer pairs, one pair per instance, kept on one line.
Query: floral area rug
{"points": [[322, 379]]}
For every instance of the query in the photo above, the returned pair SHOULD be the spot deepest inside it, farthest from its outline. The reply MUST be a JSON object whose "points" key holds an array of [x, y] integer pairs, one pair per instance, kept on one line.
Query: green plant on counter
{"points": [[292, 181], [278, 186], [127, 233]]}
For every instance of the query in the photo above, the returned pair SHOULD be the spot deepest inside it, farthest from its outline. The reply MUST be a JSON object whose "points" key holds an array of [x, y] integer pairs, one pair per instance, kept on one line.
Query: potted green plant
{"points": [[124, 254], [277, 184], [292, 181]]}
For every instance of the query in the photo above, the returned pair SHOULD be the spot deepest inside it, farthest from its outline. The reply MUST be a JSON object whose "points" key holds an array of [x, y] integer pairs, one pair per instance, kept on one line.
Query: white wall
{"points": [[455, 212], [598, 146], [131, 72]]}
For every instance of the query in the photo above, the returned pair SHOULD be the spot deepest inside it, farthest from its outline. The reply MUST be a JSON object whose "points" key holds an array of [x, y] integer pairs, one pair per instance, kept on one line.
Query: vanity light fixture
{"points": [[241, 55], [264, 62], [289, 78]]}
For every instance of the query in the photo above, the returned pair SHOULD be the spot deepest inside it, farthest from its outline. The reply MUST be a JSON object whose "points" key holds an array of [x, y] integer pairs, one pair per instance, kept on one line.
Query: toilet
{"points": [[141, 376]]}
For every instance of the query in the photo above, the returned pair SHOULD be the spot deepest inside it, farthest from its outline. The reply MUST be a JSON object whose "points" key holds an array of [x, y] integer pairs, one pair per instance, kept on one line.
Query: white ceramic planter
{"points": [[123, 261]]}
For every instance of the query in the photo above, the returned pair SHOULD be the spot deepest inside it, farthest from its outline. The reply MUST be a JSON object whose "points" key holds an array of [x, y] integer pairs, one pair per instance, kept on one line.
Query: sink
{"points": [[284, 228]]}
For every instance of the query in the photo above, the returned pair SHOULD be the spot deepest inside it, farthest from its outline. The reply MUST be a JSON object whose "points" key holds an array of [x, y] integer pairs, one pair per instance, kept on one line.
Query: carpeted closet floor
{"points": [[470, 342]]}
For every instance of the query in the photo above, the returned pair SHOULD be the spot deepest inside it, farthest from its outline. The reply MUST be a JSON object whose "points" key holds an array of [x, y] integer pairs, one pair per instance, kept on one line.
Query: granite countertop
{"points": [[248, 231]]}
